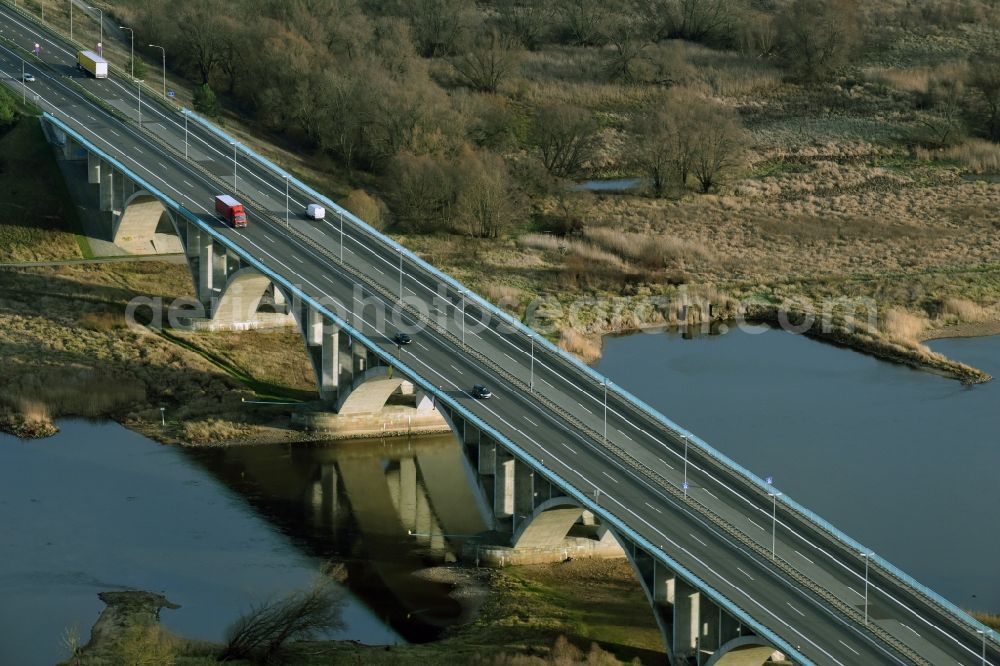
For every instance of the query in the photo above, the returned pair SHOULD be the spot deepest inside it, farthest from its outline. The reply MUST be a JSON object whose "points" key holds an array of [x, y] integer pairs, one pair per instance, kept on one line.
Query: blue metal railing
{"points": [[706, 448], [445, 398]]}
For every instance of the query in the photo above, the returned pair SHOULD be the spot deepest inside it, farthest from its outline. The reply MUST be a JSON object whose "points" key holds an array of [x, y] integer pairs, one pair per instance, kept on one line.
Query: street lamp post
{"points": [[286, 201], [400, 250], [235, 176], [684, 437], [984, 633], [24, 85], [531, 379], [341, 215], [605, 410], [463, 292], [865, 556], [185, 136], [101, 21], [131, 61], [164, 51], [71, 20], [774, 523], [163, 417], [138, 86]]}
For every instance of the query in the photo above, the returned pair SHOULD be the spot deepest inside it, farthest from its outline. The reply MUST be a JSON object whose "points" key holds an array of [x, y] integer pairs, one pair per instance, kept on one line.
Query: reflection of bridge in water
{"points": [[387, 509]]}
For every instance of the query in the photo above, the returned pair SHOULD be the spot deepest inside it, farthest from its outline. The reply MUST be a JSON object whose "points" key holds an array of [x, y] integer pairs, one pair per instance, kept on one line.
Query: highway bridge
{"points": [[734, 571]]}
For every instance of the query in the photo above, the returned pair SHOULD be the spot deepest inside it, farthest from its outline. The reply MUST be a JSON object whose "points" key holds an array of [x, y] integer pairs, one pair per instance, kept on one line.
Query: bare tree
{"points": [[625, 61], [818, 37], [487, 62], [484, 203], [566, 137], [682, 134], [718, 144], [439, 26], [525, 20], [585, 21], [985, 80], [262, 632], [696, 20]]}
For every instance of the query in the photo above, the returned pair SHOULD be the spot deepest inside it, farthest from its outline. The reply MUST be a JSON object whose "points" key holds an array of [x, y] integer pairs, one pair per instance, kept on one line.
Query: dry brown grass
{"points": [[977, 155], [209, 431], [991, 620], [963, 310], [650, 251], [102, 321], [903, 326], [918, 79], [587, 348]]}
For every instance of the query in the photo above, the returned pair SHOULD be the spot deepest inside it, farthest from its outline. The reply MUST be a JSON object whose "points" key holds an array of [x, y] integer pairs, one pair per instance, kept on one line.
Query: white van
{"points": [[315, 212]]}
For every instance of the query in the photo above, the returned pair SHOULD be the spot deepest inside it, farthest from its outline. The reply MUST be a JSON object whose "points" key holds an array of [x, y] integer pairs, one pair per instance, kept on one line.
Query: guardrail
{"points": [[618, 452], [80, 46], [747, 478], [445, 398]]}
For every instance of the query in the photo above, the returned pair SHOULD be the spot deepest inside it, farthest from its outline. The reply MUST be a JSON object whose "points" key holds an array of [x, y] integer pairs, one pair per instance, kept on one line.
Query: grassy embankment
{"points": [[65, 348], [835, 200], [585, 611]]}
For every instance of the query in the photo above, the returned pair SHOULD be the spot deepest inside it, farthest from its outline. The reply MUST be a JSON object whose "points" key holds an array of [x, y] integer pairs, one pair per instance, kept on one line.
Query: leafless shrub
{"points": [[261, 634], [818, 36], [487, 62], [565, 137]]}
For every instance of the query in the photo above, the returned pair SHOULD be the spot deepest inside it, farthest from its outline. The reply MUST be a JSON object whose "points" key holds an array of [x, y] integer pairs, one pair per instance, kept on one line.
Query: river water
{"points": [[98, 507], [906, 462]]}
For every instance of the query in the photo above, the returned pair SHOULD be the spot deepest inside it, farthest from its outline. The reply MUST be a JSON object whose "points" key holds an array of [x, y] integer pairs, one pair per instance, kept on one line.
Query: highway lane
{"points": [[268, 242], [555, 376]]}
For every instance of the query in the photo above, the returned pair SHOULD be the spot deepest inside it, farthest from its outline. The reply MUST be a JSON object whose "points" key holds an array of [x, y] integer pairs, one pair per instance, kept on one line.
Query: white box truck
{"points": [[90, 62], [315, 212]]}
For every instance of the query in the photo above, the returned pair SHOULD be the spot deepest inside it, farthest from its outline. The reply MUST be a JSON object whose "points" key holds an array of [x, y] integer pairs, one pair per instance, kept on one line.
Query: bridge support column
{"points": [[314, 326], [206, 263], [524, 493], [329, 362], [93, 168], [359, 359], [687, 609], [192, 239], [503, 485], [220, 265], [107, 189]]}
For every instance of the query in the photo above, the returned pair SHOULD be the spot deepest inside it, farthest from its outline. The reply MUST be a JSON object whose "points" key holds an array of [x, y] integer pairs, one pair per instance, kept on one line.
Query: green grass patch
{"points": [[38, 219]]}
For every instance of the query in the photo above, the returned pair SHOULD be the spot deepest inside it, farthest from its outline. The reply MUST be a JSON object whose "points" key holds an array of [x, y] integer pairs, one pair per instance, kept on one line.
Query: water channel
{"points": [[904, 461]]}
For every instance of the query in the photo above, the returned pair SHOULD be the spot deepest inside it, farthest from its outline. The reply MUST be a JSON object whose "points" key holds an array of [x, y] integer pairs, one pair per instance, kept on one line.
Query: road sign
{"points": [[100, 48], [686, 486], [37, 49], [171, 93], [769, 480]]}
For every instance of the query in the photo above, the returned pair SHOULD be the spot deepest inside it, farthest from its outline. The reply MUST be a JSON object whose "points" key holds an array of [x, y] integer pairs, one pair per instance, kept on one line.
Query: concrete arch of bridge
{"points": [[742, 651], [241, 297], [135, 228], [370, 391], [549, 524]]}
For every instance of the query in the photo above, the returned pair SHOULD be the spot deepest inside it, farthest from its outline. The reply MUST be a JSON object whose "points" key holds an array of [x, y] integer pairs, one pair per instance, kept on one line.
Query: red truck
{"points": [[231, 210]]}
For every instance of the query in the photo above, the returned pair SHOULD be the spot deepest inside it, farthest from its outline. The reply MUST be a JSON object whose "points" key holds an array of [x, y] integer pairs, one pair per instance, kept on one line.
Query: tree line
{"points": [[361, 81]]}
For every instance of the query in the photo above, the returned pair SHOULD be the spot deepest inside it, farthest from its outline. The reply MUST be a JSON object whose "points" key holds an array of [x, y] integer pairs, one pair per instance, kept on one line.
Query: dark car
{"points": [[481, 392], [402, 339]]}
